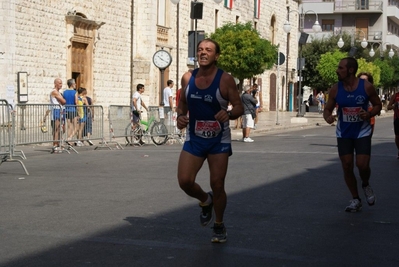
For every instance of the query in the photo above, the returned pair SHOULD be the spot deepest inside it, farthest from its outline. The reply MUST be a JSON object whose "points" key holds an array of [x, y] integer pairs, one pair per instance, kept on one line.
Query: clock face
{"points": [[162, 59]]}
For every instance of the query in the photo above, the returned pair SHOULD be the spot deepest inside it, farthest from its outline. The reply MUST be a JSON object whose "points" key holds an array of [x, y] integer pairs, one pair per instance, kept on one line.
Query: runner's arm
{"points": [[229, 91], [329, 107]]}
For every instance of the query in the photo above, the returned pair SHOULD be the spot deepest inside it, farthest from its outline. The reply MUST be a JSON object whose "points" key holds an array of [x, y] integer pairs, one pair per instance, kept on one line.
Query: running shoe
{"points": [[370, 197], [219, 233], [248, 140], [206, 213], [354, 206]]}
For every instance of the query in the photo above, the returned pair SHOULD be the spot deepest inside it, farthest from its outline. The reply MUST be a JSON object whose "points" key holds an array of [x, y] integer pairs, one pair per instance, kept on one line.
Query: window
{"points": [[161, 13], [327, 25], [216, 18]]}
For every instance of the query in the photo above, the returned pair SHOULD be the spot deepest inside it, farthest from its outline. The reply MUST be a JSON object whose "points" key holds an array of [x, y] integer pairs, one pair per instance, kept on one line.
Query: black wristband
{"points": [[180, 115]]}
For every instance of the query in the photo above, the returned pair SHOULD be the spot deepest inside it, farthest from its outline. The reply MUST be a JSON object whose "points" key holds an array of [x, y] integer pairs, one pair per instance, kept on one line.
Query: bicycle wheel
{"points": [[133, 136], [159, 133]]}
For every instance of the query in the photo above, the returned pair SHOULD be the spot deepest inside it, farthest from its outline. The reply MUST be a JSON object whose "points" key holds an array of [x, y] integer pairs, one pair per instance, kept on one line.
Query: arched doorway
{"points": [[82, 39]]}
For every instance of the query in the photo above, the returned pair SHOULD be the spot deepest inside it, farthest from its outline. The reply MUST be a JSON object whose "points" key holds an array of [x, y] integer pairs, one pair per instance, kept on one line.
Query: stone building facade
{"points": [[107, 46]]}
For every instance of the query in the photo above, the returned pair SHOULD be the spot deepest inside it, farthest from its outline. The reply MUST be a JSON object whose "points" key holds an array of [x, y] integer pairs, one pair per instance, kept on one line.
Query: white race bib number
{"points": [[351, 114], [207, 129]]}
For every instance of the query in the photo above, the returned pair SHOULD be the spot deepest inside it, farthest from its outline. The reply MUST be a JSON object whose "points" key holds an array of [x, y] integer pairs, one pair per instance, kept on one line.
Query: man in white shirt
{"points": [[168, 98], [137, 103]]}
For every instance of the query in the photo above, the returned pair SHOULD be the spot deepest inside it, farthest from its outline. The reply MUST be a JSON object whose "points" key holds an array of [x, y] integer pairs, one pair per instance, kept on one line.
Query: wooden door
{"points": [[362, 26], [79, 64]]}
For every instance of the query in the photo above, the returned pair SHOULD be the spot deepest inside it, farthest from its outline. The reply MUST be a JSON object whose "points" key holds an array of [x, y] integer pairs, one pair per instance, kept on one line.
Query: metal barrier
{"points": [[7, 130], [119, 117], [174, 134], [37, 124], [84, 124]]}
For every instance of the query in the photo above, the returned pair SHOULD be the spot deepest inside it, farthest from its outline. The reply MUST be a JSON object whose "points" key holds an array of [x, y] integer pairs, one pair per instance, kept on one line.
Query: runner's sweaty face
{"points": [[206, 53], [342, 70]]}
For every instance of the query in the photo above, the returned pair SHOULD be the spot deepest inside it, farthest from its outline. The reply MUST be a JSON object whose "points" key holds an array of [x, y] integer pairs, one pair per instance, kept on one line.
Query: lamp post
{"points": [[391, 53], [287, 28], [195, 4], [364, 42]]}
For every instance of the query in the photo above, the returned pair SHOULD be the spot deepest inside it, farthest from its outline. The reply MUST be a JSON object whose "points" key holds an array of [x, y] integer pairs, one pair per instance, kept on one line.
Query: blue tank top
{"points": [[203, 104], [69, 96], [350, 125]]}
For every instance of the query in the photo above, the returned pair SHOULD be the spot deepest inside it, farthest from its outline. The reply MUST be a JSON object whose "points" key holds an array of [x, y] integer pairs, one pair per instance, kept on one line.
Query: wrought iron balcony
{"points": [[358, 6]]}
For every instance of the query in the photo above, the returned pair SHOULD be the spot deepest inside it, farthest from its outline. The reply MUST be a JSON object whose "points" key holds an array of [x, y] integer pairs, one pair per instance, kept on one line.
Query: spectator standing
{"points": [[206, 92], [168, 99], [353, 128], [255, 93], [88, 130], [310, 100], [71, 98], [82, 102], [56, 99], [249, 103]]}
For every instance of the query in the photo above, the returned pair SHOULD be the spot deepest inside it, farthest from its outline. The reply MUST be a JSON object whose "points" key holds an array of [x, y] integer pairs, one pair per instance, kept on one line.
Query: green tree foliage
{"points": [[371, 68], [312, 53], [327, 67], [394, 66], [244, 53], [387, 72]]}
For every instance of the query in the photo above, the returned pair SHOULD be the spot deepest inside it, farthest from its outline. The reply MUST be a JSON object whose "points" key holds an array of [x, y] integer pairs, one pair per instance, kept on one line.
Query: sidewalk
{"points": [[273, 121]]}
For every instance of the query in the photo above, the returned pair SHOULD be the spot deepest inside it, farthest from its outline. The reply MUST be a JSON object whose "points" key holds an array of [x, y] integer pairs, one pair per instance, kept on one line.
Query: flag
{"points": [[228, 4], [257, 9]]}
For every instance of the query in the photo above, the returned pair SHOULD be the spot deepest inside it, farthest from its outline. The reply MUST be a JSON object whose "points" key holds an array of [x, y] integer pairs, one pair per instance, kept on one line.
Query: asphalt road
{"points": [[286, 200]]}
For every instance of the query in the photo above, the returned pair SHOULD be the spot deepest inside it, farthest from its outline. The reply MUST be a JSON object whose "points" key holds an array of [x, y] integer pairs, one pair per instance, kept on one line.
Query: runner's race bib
{"points": [[207, 129], [351, 114]]}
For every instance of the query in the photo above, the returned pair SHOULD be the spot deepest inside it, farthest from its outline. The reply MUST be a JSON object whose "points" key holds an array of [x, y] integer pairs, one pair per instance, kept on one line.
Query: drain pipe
{"points": [[131, 52], [177, 49]]}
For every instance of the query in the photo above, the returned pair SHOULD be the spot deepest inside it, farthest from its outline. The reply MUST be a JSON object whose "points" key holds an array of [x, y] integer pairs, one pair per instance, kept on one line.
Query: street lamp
{"points": [[391, 53], [193, 16], [364, 42], [287, 28]]}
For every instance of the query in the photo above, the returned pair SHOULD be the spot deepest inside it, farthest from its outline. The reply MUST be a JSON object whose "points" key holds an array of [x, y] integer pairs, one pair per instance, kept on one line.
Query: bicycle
{"points": [[152, 128]]}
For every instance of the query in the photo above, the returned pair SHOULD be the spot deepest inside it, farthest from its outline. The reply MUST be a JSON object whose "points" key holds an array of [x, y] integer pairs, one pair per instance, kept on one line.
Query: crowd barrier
{"points": [[28, 124], [119, 117], [37, 124], [171, 125], [7, 130]]}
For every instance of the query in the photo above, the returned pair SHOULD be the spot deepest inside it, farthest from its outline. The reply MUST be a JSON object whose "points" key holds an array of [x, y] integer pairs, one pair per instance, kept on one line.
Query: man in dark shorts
{"points": [[202, 108], [353, 127]]}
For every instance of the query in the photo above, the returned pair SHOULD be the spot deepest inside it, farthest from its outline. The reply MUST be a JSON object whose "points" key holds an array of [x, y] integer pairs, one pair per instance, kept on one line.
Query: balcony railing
{"points": [[343, 6]]}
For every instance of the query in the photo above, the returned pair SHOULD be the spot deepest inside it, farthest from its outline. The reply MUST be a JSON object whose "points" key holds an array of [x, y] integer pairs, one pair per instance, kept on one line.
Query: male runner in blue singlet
{"points": [[353, 127], [202, 108]]}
